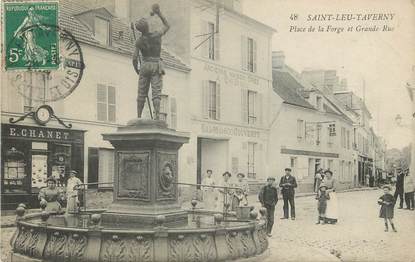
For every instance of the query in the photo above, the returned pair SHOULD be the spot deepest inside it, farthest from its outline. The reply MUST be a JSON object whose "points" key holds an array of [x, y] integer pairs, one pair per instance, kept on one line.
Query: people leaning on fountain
{"points": [[51, 195], [240, 198], [225, 197]]}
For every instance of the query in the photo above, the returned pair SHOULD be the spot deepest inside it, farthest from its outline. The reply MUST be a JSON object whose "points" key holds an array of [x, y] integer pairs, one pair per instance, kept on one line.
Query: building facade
{"points": [[308, 132], [104, 100]]}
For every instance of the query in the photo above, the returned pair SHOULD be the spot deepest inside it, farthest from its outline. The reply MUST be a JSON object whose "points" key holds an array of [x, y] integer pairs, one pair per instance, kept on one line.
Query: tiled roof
{"points": [[124, 44], [287, 88]]}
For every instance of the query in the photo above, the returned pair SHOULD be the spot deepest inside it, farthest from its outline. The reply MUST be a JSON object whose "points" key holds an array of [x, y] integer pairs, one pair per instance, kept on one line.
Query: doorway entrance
{"points": [[211, 154]]}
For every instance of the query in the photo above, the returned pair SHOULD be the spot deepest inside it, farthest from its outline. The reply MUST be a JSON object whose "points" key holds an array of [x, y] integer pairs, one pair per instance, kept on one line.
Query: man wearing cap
{"points": [[72, 192], [399, 188], [151, 70], [268, 196], [288, 183]]}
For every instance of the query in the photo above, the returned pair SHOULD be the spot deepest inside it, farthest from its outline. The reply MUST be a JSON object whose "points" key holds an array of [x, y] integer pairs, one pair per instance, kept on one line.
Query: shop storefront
{"points": [[33, 153]]}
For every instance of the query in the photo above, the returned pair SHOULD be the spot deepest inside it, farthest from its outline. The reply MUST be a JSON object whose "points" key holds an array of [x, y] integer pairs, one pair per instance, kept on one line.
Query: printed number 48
{"points": [[13, 55]]}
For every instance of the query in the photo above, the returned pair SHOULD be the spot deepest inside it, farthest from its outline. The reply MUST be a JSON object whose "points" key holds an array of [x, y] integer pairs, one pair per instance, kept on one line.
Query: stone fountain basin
{"points": [[76, 238]]}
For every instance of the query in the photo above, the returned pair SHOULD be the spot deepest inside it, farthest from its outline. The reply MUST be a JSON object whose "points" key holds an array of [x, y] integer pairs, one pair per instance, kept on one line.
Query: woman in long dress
{"points": [[51, 195], [209, 193], [332, 214], [225, 194], [240, 197]]}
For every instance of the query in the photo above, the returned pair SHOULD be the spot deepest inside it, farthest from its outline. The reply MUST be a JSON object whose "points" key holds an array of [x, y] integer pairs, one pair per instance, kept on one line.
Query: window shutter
{"points": [[205, 99], [244, 105], [217, 46], [204, 48], [258, 109], [244, 53], [101, 102], [111, 104], [173, 113], [254, 51], [218, 101]]}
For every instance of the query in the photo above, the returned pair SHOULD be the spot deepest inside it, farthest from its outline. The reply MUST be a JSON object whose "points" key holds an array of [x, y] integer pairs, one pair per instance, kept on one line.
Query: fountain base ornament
{"points": [[146, 173]]}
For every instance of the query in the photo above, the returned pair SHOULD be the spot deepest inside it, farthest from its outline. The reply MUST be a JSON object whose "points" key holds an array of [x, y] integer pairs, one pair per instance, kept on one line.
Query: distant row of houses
{"points": [[246, 110]]}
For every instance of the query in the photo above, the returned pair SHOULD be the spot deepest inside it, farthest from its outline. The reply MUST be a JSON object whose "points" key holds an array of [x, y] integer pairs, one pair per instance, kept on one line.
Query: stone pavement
{"points": [[358, 236]]}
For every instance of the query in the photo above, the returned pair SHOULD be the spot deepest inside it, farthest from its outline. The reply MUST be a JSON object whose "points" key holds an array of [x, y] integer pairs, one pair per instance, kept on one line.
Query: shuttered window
{"points": [[248, 54], [164, 107], [106, 166], [209, 41], [251, 107], [211, 100], [300, 129], [106, 103]]}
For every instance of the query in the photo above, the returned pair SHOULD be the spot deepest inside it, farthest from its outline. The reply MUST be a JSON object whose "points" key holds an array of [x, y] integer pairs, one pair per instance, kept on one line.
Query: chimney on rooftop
{"points": [[278, 60]]}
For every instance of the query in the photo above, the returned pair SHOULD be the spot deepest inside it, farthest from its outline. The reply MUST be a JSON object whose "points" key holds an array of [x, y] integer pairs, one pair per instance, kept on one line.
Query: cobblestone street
{"points": [[358, 236]]}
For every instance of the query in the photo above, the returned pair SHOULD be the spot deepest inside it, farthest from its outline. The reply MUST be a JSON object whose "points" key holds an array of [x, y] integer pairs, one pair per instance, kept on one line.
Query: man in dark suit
{"points": [[268, 196], [287, 184], [399, 188]]}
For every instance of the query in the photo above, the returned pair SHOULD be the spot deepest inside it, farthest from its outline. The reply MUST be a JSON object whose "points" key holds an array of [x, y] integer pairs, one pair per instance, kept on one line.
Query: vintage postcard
{"points": [[207, 130]]}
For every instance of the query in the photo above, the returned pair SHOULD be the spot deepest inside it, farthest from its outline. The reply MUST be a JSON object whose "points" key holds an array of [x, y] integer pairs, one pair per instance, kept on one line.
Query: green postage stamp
{"points": [[32, 42]]}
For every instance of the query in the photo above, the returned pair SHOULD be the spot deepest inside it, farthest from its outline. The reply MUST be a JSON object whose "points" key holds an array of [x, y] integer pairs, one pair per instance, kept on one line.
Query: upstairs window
{"points": [[251, 104], [249, 54], [211, 31], [300, 129], [106, 103], [211, 100], [102, 30]]}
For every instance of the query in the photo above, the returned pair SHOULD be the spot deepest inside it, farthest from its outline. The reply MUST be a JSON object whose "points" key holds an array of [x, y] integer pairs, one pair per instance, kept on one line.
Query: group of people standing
{"points": [[224, 194], [326, 196], [52, 197], [405, 189]]}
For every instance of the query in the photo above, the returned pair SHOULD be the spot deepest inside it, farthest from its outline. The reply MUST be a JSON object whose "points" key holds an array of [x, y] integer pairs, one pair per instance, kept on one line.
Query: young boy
{"points": [[322, 198], [387, 203]]}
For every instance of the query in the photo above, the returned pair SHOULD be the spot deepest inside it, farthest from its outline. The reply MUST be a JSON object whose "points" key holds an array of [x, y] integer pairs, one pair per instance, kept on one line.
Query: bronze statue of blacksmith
{"points": [[151, 66]]}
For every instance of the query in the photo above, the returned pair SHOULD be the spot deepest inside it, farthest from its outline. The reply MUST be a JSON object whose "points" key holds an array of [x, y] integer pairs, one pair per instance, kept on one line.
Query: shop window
{"points": [[251, 160], [106, 103], [15, 176]]}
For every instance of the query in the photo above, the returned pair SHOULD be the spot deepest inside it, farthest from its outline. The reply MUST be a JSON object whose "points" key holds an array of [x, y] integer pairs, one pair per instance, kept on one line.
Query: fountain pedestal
{"points": [[146, 173]]}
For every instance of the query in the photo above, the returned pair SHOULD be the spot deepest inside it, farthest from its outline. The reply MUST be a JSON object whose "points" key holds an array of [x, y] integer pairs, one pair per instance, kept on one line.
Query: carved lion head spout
{"points": [[166, 178]]}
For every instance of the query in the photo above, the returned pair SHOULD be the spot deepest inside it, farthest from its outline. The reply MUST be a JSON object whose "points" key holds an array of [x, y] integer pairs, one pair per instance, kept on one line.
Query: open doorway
{"points": [[211, 154]]}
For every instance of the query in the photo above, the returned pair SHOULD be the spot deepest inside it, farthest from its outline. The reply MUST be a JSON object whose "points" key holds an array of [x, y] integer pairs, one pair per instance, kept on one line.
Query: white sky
{"points": [[383, 59]]}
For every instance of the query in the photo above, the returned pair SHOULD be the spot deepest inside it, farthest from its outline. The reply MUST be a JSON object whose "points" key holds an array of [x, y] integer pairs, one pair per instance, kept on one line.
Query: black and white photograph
{"points": [[207, 130]]}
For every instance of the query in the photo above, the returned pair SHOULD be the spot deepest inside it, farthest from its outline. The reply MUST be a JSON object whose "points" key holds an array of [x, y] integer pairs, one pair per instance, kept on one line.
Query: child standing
{"points": [[387, 203], [322, 198]]}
